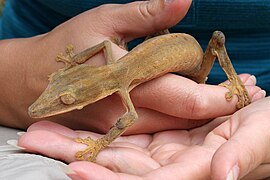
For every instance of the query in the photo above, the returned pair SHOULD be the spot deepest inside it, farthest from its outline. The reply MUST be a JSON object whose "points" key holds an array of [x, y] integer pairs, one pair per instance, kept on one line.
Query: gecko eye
{"points": [[67, 98]]}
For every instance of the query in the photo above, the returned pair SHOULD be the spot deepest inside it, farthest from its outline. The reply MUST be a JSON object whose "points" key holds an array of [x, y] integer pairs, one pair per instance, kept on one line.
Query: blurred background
{"points": [[1, 5]]}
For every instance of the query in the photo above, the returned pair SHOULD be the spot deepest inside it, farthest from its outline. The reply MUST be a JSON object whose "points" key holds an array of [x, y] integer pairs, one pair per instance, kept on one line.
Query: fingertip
{"points": [[247, 79], [255, 92], [50, 144], [171, 14], [251, 80], [175, 11], [258, 95], [25, 141], [233, 174], [224, 164], [143, 18], [74, 176]]}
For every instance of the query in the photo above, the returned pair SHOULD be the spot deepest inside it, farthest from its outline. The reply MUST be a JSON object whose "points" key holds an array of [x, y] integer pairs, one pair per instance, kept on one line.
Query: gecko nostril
{"points": [[32, 110]]}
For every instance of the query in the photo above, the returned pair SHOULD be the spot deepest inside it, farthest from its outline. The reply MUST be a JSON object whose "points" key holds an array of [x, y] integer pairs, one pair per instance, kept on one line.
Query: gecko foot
{"points": [[238, 89], [92, 150], [68, 58]]}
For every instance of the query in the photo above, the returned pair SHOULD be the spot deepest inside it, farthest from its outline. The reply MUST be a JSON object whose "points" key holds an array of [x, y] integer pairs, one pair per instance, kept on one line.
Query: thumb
{"points": [[247, 146], [139, 18]]}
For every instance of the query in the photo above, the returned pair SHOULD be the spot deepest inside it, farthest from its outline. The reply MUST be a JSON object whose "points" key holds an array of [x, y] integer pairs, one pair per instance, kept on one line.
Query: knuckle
{"points": [[104, 7], [146, 9], [196, 103]]}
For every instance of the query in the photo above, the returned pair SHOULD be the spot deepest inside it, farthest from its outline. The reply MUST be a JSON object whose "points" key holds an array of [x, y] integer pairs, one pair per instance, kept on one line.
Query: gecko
{"points": [[79, 84]]}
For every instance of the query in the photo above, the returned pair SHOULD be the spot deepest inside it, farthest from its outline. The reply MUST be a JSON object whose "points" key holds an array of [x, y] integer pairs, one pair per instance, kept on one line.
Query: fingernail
{"points": [[233, 173], [75, 177], [168, 1], [70, 172], [67, 170], [259, 95], [20, 133], [251, 80], [14, 143]]}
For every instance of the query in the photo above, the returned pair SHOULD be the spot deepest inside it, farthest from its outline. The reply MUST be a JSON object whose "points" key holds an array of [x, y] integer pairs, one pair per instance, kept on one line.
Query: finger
{"points": [[247, 78], [190, 164], [86, 170], [184, 98], [116, 157], [137, 142], [251, 81], [152, 121], [247, 147], [139, 18], [198, 134], [50, 144], [52, 127]]}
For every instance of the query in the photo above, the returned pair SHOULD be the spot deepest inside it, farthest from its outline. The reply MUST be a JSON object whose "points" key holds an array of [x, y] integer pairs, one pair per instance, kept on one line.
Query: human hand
{"points": [[154, 100], [159, 115], [210, 151], [164, 100], [27, 62]]}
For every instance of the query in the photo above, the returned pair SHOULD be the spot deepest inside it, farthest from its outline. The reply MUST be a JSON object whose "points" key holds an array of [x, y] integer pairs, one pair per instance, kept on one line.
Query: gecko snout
{"points": [[35, 110], [32, 111]]}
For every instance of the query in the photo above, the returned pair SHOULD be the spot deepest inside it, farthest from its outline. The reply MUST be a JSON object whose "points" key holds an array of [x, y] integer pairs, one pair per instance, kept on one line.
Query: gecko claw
{"points": [[92, 150], [70, 50], [239, 90], [68, 58]]}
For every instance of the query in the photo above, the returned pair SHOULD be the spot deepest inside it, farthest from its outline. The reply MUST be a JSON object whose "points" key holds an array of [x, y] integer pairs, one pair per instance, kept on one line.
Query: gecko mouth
{"points": [[34, 113], [41, 114], [37, 111]]}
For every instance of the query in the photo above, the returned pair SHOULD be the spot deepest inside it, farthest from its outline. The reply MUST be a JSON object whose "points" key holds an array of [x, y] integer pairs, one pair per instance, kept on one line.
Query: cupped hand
{"points": [[235, 146]]}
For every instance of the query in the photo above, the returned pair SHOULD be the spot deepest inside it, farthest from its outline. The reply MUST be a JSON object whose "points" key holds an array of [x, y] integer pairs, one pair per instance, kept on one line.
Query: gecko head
{"points": [[55, 100], [69, 90]]}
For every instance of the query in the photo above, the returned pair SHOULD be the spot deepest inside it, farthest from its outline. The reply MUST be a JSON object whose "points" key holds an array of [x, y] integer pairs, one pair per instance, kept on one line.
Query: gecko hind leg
{"points": [[216, 49], [123, 123], [236, 86]]}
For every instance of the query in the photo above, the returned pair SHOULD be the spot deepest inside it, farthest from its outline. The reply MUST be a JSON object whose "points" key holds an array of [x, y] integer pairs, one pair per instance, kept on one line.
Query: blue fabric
{"points": [[246, 24]]}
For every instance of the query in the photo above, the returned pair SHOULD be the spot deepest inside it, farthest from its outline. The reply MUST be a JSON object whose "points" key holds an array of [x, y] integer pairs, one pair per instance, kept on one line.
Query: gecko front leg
{"points": [[123, 123], [95, 146], [68, 58], [72, 59]]}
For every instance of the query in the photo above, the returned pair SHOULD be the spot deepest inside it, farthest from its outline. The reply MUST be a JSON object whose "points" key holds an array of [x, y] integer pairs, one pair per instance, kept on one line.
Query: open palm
{"points": [[169, 154], [175, 154]]}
